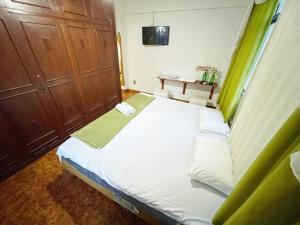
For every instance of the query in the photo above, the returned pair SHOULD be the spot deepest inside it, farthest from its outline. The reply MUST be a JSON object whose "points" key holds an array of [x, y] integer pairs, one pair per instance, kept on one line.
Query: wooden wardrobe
{"points": [[58, 71]]}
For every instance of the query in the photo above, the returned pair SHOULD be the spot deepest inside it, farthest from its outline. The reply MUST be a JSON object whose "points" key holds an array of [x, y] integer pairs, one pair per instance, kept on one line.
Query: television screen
{"points": [[158, 35]]}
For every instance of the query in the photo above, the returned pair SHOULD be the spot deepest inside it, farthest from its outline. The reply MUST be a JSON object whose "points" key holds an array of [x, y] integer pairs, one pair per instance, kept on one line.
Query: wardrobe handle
{"points": [[42, 89]]}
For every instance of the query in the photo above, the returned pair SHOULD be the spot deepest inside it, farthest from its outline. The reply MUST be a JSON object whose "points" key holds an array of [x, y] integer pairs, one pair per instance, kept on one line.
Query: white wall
{"points": [[201, 32], [273, 93]]}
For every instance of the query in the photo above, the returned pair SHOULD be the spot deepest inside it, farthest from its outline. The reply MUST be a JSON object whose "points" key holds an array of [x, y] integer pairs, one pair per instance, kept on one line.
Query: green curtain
{"points": [[244, 57], [268, 194]]}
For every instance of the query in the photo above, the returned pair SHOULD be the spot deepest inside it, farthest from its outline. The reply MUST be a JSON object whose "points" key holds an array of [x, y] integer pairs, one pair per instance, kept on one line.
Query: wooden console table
{"points": [[185, 83]]}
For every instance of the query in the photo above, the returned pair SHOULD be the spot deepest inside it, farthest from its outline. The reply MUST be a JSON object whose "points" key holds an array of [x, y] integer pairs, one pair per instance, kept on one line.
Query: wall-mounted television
{"points": [[156, 35]]}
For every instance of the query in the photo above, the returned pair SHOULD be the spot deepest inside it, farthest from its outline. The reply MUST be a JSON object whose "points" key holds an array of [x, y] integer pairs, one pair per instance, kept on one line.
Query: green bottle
{"points": [[212, 78], [207, 78], [204, 77]]}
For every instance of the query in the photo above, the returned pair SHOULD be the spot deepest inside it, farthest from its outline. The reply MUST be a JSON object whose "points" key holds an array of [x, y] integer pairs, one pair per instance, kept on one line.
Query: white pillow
{"points": [[211, 121], [212, 164], [295, 164]]}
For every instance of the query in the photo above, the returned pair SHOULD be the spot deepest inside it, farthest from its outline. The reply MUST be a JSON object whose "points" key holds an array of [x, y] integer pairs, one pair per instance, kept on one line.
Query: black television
{"points": [[156, 35]]}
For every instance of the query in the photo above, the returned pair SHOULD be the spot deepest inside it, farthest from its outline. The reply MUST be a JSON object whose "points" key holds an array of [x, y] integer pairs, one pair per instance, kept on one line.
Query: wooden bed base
{"points": [[108, 193]]}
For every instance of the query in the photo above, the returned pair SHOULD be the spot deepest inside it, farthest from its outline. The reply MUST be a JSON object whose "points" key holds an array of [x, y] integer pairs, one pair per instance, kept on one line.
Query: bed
{"points": [[145, 165]]}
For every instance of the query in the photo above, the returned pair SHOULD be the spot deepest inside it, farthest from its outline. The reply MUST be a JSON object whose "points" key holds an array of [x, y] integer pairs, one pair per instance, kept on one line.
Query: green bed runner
{"points": [[99, 132]]}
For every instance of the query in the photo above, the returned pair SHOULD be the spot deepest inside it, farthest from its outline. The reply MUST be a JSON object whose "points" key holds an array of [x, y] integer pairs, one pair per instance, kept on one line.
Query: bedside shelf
{"points": [[185, 83]]}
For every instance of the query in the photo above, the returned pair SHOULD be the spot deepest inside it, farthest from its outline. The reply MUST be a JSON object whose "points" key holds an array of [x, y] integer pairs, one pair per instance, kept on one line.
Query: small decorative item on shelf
{"points": [[205, 77], [214, 71], [210, 74]]}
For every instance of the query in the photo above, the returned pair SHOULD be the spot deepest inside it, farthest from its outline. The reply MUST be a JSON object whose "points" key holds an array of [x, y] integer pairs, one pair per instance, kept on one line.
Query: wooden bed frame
{"points": [[108, 193]]}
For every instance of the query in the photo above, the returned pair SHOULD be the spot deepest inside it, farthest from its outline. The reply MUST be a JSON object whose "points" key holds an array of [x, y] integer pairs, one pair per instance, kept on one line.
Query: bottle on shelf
{"points": [[212, 78], [204, 77]]}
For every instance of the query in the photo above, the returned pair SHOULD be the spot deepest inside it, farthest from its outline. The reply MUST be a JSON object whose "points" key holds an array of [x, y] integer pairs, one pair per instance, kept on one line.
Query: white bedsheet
{"points": [[149, 159]]}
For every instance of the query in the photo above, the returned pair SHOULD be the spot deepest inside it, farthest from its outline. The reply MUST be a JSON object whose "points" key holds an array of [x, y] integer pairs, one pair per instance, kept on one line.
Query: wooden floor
{"points": [[128, 93], [42, 193]]}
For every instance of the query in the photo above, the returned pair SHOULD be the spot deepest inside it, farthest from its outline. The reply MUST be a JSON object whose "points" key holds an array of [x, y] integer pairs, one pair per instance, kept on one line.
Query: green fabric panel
{"points": [[276, 201], [298, 222], [244, 57], [264, 163], [99, 132]]}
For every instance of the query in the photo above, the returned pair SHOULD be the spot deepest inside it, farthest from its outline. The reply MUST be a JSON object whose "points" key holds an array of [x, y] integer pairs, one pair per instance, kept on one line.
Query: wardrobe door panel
{"points": [[67, 101], [91, 93], [110, 86], [82, 42], [5, 160], [9, 156], [49, 48], [75, 9], [107, 45], [100, 9], [36, 6], [13, 72], [38, 3], [27, 115], [7, 164], [108, 63]]}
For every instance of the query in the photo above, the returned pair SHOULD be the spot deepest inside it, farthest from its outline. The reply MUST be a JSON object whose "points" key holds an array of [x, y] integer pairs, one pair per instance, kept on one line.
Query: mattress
{"points": [[134, 205], [148, 160]]}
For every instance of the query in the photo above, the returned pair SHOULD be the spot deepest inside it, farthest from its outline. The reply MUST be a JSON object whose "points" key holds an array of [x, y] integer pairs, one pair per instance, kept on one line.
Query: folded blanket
{"points": [[129, 107], [100, 131], [125, 108]]}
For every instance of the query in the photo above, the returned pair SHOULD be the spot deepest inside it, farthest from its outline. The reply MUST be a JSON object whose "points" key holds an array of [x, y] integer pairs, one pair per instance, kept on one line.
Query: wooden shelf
{"points": [[185, 83]]}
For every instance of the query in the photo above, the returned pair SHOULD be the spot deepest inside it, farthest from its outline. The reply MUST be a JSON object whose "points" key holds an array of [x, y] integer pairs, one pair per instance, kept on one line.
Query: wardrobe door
{"points": [[106, 51], [9, 156], [100, 9], [23, 106], [7, 163], [77, 9], [36, 6], [49, 48], [74, 7], [82, 44]]}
